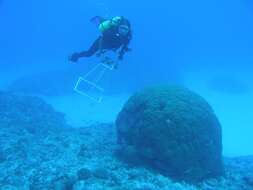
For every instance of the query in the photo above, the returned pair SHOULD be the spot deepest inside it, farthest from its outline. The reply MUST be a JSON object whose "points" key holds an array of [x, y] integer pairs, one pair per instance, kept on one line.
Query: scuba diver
{"points": [[115, 35]]}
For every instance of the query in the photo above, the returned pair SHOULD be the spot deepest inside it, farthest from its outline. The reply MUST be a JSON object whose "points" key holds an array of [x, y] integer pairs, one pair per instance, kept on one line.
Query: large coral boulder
{"points": [[172, 130]]}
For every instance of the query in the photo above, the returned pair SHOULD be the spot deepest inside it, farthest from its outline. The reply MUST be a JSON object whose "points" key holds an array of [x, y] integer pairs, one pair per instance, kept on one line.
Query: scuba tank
{"points": [[104, 26], [107, 24]]}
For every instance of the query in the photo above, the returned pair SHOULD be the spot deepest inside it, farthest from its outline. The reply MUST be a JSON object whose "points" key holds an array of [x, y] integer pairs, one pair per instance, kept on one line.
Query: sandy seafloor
{"points": [[101, 170]]}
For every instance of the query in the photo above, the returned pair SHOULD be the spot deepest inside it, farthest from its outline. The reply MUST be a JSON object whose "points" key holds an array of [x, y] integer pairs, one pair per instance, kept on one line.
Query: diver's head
{"points": [[116, 20], [123, 30]]}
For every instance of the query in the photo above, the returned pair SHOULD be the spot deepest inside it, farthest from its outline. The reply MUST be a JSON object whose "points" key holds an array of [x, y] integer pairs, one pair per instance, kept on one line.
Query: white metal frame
{"points": [[93, 84]]}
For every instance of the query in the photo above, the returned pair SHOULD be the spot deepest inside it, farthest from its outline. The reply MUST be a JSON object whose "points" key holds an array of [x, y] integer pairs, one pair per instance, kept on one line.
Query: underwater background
{"points": [[205, 46]]}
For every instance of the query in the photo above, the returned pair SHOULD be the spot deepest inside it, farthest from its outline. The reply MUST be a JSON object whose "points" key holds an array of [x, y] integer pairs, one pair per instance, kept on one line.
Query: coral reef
{"points": [[28, 113], [174, 131], [82, 158]]}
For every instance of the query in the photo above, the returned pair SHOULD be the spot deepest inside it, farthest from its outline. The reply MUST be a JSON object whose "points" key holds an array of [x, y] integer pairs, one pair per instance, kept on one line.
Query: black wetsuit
{"points": [[109, 40]]}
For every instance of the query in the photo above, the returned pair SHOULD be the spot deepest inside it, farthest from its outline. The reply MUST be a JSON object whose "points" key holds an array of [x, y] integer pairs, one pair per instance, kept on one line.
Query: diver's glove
{"points": [[74, 57]]}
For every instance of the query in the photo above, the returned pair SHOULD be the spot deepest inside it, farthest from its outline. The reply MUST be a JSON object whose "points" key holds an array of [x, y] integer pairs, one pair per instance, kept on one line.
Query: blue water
{"points": [[204, 45]]}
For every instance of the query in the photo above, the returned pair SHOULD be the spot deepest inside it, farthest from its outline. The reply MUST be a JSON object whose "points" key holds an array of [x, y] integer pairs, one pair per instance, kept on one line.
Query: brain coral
{"points": [[173, 130]]}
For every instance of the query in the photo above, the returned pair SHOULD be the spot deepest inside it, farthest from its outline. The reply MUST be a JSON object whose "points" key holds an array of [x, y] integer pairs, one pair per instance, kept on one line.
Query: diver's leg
{"points": [[93, 49], [97, 46]]}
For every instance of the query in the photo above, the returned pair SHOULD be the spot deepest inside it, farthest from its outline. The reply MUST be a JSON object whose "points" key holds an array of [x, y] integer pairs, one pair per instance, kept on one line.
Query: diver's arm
{"points": [[122, 51], [124, 48]]}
